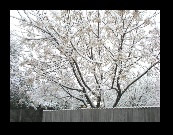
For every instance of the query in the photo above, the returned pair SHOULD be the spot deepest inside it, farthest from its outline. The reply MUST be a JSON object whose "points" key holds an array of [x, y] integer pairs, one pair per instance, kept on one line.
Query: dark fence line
{"points": [[26, 115], [145, 114]]}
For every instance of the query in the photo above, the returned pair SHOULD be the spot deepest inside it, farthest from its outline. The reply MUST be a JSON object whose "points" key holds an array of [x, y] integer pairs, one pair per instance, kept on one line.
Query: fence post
{"points": [[20, 115]]}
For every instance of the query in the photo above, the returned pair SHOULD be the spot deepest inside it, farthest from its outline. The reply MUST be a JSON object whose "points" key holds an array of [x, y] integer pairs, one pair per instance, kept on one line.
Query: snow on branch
{"points": [[79, 90]]}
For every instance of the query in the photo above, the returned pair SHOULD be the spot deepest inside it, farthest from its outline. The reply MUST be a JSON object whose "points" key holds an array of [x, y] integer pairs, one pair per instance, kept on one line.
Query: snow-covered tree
{"points": [[18, 83], [15, 77], [145, 92], [87, 58]]}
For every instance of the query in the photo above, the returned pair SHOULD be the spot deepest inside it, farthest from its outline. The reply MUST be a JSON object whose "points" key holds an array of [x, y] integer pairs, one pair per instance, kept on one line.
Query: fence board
{"points": [[150, 114]]}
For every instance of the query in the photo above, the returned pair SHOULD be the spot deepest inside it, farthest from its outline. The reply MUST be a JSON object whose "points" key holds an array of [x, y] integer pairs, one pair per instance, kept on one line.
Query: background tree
{"points": [[145, 92], [15, 80], [19, 87], [85, 56]]}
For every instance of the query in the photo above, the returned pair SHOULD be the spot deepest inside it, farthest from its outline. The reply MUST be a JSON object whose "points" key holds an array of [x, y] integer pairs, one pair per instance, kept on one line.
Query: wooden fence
{"points": [[145, 114], [26, 115]]}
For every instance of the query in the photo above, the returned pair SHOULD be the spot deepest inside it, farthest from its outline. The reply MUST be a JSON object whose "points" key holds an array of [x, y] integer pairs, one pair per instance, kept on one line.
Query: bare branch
{"points": [[79, 90], [114, 77], [75, 97], [17, 18], [35, 38], [82, 77], [86, 95]]}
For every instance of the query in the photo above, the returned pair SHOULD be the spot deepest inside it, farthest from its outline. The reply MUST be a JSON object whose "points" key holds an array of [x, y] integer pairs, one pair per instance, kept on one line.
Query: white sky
{"points": [[12, 20], [15, 21]]}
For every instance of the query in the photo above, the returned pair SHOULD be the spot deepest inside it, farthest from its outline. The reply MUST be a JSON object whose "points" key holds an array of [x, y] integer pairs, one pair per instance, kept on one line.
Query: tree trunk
{"points": [[117, 100], [98, 101]]}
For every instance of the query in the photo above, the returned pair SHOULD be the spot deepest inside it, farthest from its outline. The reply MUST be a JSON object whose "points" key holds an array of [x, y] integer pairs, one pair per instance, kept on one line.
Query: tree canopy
{"points": [[87, 58]]}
